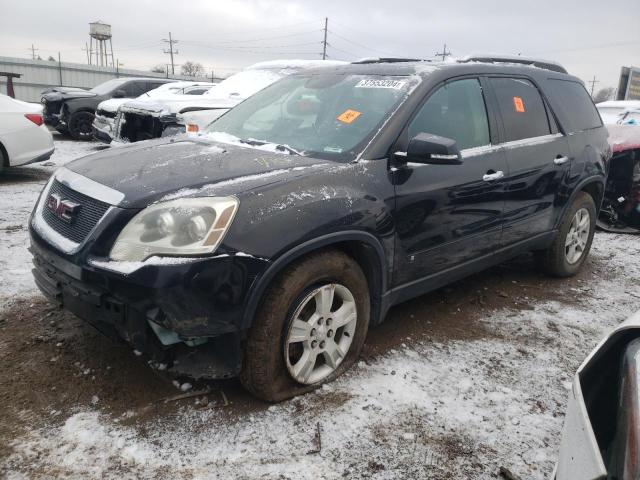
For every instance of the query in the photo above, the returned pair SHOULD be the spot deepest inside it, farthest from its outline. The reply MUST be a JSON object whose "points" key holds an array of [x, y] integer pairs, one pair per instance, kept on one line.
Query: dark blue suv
{"points": [[267, 245]]}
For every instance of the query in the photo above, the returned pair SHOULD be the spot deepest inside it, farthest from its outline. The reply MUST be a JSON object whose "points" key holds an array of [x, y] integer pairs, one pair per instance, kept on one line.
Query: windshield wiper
{"points": [[278, 146]]}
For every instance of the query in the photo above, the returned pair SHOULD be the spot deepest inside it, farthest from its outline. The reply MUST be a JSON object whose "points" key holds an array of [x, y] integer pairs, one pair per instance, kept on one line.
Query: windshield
{"points": [[108, 86], [328, 116]]}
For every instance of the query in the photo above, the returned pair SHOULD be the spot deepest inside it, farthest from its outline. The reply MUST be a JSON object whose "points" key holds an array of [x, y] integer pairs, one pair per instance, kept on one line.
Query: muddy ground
{"points": [[454, 384], [53, 362]]}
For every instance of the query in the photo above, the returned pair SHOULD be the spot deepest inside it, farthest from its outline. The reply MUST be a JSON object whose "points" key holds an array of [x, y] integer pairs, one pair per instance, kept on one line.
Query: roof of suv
{"points": [[426, 67]]}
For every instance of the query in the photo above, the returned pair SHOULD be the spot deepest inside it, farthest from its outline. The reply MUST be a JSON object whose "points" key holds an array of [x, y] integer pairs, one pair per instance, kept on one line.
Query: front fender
{"points": [[378, 281]]}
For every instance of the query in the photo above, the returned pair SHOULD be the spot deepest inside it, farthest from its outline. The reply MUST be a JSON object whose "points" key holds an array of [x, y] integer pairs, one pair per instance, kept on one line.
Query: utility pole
{"points": [[324, 42], [33, 51], [171, 41], [593, 84], [444, 53], [86, 49], [212, 77]]}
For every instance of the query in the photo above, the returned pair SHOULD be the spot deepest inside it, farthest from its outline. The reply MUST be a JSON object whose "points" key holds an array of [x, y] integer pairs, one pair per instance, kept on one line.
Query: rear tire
{"points": [[80, 126], [572, 243], [275, 350], [4, 160]]}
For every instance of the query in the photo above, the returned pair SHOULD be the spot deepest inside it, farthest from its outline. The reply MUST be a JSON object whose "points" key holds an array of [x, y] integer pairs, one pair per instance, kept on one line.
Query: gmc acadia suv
{"points": [[267, 245]]}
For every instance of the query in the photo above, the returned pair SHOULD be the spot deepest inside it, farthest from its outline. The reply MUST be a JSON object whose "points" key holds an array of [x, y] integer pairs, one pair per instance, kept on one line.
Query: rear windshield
{"points": [[330, 116], [581, 113]]}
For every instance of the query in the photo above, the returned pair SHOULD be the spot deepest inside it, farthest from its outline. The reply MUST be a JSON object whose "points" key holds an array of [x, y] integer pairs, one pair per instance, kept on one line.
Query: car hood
{"points": [[164, 169], [112, 104], [66, 93]]}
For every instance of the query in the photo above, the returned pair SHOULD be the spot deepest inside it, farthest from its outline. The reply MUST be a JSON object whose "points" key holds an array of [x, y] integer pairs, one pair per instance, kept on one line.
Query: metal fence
{"points": [[38, 75]]}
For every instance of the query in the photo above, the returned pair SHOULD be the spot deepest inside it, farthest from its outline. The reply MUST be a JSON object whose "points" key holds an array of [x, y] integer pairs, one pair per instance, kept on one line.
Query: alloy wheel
{"points": [[577, 236], [320, 334]]}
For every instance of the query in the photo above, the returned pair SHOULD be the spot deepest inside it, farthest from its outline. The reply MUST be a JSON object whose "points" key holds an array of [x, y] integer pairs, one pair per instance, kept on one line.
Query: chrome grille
{"points": [[88, 216]]}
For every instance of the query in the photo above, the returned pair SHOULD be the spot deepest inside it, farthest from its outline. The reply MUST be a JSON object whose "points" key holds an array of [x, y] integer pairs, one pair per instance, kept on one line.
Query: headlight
{"points": [[186, 226]]}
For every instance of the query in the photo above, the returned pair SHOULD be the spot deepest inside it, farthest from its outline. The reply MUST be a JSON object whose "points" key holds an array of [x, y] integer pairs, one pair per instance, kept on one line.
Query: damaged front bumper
{"points": [[187, 316], [102, 128]]}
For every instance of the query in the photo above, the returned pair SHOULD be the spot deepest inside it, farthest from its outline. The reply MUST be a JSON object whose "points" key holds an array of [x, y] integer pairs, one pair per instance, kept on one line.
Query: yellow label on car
{"points": [[348, 116]]}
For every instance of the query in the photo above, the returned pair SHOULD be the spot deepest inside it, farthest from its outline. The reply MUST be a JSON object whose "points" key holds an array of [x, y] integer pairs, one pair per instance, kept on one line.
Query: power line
{"points": [[371, 49], [249, 40], [592, 47], [170, 52]]}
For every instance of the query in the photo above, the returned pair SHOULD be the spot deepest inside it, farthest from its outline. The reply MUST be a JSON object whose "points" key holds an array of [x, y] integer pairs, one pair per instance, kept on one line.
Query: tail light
{"points": [[35, 118], [192, 128]]}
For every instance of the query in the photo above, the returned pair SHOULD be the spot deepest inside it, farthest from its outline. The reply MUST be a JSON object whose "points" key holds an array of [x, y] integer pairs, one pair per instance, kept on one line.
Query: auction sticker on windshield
{"points": [[349, 116], [369, 83]]}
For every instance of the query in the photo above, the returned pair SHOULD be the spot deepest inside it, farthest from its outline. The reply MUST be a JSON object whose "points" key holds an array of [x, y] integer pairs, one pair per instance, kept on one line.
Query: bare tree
{"points": [[160, 68], [192, 69], [604, 94], [51, 59]]}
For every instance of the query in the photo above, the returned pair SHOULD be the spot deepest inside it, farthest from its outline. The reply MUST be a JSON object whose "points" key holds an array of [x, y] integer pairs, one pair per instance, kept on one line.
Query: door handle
{"points": [[490, 177], [561, 160]]}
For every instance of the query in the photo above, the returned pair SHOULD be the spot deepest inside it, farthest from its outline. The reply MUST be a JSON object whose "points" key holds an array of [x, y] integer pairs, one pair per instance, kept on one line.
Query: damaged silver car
{"points": [[601, 436]]}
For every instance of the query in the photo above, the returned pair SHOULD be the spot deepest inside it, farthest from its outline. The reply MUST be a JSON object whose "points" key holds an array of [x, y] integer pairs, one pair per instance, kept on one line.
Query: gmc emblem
{"points": [[65, 210]]}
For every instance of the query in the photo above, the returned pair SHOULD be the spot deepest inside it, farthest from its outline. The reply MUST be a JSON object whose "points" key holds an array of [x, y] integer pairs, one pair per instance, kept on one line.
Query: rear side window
{"points": [[523, 111], [576, 103], [457, 111]]}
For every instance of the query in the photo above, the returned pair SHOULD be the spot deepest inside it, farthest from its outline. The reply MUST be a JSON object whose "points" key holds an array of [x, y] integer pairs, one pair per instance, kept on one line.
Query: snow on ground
{"points": [[427, 410], [455, 409], [19, 189]]}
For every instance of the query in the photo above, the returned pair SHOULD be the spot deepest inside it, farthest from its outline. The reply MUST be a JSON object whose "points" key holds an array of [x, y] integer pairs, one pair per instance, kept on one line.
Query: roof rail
{"points": [[534, 62], [389, 60]]}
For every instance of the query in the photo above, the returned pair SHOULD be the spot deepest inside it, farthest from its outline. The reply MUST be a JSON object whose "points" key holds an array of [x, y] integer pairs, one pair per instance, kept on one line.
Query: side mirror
{"points": [[119, 94], [432, 149]]}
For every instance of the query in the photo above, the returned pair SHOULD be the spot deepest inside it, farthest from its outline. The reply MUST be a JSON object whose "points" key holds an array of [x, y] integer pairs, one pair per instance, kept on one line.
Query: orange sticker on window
{"points": [[518, 104], [348, 116]]}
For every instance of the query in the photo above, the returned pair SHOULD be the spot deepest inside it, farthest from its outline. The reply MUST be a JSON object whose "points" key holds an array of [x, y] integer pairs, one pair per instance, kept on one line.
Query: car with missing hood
{"points": [[601, 431], [620, 211], [145, 120], [266, 246], [70, 109], [105, 118]]}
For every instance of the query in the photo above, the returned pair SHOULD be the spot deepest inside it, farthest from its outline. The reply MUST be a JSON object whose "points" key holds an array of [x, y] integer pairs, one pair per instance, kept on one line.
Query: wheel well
{"points": [[596, 190], [4, 156], [365, 255]]}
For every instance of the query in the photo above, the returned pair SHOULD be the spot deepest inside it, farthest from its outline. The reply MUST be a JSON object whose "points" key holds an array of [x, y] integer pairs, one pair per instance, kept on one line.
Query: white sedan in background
{"points": [[24, 138]]}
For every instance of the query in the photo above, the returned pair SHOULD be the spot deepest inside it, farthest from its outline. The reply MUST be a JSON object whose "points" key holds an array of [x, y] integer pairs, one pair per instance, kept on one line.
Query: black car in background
{"points": [[267, 245], [71, 109]]}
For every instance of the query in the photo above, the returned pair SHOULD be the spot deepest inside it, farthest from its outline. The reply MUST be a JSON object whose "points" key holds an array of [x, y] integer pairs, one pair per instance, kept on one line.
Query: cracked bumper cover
{"points": [[187, 315]]}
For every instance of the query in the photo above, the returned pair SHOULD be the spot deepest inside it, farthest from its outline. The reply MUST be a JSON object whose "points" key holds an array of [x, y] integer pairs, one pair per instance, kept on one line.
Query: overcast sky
{"points": [[588, 37]]}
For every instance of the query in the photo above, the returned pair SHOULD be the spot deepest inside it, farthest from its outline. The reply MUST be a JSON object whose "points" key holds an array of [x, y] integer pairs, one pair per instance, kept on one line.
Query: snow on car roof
{"points": [[624, 137]]}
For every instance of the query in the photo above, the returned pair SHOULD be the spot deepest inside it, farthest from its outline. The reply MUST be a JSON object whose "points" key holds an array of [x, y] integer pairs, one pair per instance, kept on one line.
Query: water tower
{"points": [[100, 34]]}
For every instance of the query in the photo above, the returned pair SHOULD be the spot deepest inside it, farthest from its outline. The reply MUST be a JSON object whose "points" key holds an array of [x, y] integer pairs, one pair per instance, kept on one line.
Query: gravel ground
{"points": [[455, 384]]}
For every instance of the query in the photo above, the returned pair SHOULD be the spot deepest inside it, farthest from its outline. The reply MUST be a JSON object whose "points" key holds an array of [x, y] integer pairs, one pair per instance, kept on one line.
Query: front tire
{"points": [[309, 329], [572, 243], [80, 126]]}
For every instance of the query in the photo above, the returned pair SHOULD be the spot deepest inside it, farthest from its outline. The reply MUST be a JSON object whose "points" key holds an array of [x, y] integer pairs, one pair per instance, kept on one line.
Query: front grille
{"points": [[88, 216]]}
